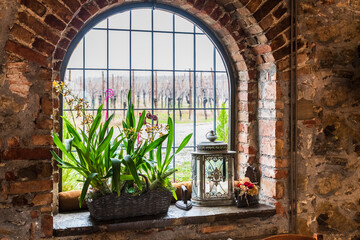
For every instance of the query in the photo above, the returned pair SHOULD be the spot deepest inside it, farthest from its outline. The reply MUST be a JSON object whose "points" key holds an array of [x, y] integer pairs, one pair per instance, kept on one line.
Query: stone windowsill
{"points": [[80, 223]]}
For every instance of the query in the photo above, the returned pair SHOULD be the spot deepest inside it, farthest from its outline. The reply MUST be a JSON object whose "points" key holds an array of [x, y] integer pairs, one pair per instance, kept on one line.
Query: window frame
{"points": [[173, 10]]}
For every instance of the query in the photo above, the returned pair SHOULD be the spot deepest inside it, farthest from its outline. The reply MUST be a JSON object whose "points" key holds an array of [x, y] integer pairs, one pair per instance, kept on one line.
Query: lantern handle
{"points": [[212, 137]]}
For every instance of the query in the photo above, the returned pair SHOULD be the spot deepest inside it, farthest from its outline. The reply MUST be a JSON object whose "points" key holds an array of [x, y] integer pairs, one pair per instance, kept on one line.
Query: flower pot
{"points": [[246, 200], [112, 206]]}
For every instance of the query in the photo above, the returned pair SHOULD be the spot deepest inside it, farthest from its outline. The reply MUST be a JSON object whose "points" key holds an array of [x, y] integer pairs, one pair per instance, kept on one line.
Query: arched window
{"points": [[173, 66]]}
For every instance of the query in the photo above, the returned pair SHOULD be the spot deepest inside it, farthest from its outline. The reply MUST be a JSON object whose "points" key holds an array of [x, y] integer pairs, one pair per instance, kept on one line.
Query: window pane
{"points": [[204, 89], [74, 80], [76, 59], [184, 90], [120, 20], [95, 49], [222, 89], [222, 125], [141, 81], [183, 126], [204, 53], [183, 25], [163, 89], [198, 30], [141, 50], [120, 84], [141, 19], [163, 21], [163, 51], [184, 52], [102, 24], [119, 49], [219, 62], [183, 165], [95, 87], [204, 123]]}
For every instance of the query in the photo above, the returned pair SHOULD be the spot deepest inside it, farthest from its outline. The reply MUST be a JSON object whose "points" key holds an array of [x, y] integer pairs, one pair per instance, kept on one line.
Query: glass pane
{"points": [[141, 19], [184, 89], [163, 89], [222, 125], [204, 89], [183, 165], [95, 49], [162, 116], [163, 51], [204, 123], [163, 21], [141, 50], [141, 81], [183, 25], [120, 20], [119, 49], [204, 53], [74, 80], [120, 84], [219, 62], [119, 117], [184, 52], [76, 59], [222, 90], [102, 24], [183, 127], [95, 87], [198, 30], [216, 175]]}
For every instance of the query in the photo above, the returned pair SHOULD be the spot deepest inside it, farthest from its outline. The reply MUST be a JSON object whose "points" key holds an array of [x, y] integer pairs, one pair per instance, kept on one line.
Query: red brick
{"points": [[199, 4], [261, 49], [19, 201], [224, 20], [84, 14], [27, 154], [47, 225], [266, 22], [54, 22], [38, 27], [43, 46], [92, 8], [218, 228], [60, 10], [76, 23], [34, 214], [64, 43], [267, 128], [21, 33], [10, 176], [278, 13], [45, 74], [30, 186], [59, 53], [272, 188], [282, 52], [209, 7], [72, 4], [253, 5], [26, 53], [267, 146], [270, 90], [35, 6], [42, 199], [217, 13], [57, 65], [243, 138], [42, 140], [13, 141], [102, 3], [278, 28], [274, 162], [46, 209], [279, 209], [71, 33], [279, 129], [265, 9]]}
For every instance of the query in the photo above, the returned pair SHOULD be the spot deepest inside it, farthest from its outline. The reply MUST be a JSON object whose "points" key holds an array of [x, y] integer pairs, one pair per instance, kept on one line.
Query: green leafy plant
{"points": [[222, 127]]}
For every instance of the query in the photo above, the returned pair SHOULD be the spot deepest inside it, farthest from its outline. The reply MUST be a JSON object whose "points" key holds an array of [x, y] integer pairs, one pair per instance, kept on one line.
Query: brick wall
{"points": [[35, 35]]}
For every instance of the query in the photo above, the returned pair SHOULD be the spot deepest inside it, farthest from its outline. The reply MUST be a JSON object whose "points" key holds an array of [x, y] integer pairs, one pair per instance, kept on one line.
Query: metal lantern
{"points": [[212, 173]]}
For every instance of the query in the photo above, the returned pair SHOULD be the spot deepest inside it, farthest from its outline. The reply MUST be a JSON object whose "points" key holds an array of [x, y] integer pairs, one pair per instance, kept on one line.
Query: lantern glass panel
{"points": [[216, 177], [195, 167]]}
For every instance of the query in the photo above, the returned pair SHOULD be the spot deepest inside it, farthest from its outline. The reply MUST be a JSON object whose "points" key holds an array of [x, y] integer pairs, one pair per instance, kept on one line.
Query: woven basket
{"points": [[113, 206], [251, 200]]}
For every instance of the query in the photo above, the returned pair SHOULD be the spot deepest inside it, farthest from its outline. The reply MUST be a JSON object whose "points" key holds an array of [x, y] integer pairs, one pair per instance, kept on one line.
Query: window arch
{"points": [[173, 63]]}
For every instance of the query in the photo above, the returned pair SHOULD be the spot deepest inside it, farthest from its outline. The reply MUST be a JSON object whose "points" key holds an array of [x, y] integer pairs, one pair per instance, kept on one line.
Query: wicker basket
{"points": [[248, 201], [113, 206]]}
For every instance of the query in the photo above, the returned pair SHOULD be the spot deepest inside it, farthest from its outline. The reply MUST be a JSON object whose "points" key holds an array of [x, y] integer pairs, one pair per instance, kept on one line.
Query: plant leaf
{"points": [[129, 163], [116, 166], [86, 187]]}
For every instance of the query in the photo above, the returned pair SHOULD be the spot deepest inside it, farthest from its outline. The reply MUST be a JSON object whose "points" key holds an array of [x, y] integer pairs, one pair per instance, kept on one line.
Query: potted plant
{"points": [[246, 193], [126, 179]]}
